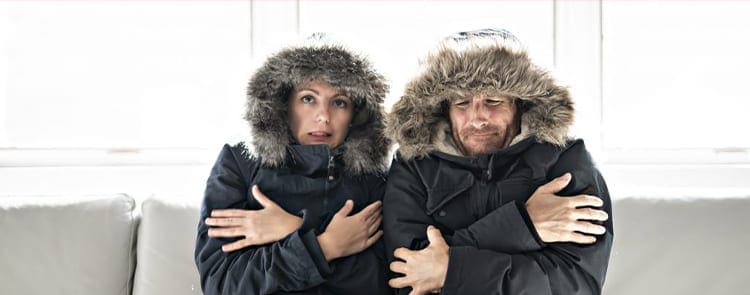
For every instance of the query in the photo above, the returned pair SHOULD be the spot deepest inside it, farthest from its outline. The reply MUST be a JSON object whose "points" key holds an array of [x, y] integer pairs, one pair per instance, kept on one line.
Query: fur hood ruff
{"points": [[491, 62]]}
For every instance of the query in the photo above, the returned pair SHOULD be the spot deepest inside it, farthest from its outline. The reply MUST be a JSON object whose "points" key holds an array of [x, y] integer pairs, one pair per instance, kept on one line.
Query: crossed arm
{"points": [[234, 259], [571, 260], [555, 220], [344, 235]]}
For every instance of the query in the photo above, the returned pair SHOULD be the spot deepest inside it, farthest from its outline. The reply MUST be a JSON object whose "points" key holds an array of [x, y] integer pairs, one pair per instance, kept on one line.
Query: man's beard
{"points": [[489, 140]]}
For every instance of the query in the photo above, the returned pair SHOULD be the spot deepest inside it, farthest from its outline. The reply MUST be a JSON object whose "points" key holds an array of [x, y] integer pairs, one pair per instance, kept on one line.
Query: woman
{"points": [[299, 209]]}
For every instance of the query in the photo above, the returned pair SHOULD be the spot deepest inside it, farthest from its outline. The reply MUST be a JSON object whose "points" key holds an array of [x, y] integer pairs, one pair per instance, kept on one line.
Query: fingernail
{"points": [[566, 176]]}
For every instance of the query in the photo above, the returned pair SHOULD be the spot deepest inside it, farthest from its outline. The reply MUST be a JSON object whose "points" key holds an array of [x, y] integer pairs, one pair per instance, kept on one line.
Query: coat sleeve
{"points": [[506, 229], [557, 268], [291, 264]]}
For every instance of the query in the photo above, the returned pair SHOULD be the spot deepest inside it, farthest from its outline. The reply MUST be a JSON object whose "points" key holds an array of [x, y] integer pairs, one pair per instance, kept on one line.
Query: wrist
{"points": [[294, 224], [444, 270], [327, 247]]}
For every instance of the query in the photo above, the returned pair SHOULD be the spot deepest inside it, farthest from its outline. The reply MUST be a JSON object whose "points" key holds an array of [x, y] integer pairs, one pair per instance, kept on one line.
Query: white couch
{"points": [[97, 245], [110, 245]]}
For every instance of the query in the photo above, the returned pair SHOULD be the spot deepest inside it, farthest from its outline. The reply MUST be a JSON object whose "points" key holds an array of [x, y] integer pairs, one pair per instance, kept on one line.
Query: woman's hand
{"points": [[258, 227], [347, 235]]}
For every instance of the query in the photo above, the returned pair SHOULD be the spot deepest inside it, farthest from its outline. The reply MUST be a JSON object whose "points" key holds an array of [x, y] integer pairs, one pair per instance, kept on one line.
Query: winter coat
{"points": [[478, 202], [306, 180]]}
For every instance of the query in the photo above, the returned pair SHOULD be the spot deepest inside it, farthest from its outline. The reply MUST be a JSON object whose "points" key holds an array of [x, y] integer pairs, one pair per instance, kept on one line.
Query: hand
{"points": [[559, 219], [258, 227], [346, 235], [424, 270]]}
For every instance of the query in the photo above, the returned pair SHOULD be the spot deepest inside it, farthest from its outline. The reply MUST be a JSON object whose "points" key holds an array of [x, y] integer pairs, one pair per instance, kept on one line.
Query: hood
{"points": [[491, 62], [366, 147]]}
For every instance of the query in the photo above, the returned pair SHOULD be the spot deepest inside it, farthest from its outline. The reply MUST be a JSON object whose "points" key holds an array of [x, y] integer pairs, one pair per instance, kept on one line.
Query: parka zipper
{"points": [[330, 179], [488, 172], [330, 169]]}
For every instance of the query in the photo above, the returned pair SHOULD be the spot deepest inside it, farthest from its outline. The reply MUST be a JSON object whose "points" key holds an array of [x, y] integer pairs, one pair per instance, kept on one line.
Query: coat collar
{"points": [[310, 160], [457, 174]]}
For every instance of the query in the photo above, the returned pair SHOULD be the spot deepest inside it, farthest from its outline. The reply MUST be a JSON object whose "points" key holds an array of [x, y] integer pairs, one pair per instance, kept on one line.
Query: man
{"points": [[487, 194]]}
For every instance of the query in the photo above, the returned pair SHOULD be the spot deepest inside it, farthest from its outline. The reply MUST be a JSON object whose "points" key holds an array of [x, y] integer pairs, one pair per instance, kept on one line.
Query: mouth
{"points": [[483, 134], [319, 135]]}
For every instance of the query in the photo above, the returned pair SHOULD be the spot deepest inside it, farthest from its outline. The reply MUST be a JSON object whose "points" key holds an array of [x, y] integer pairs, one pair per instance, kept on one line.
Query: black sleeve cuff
{"points": [[310, 240], [530, 225]]}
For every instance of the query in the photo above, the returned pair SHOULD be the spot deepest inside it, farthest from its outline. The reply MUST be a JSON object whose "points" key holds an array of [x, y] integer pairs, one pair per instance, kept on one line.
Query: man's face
{"points": [[483, 124]]}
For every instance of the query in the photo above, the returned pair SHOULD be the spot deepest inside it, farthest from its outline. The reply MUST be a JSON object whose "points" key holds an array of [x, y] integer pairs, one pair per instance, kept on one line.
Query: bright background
{"points": [[138, 96]]}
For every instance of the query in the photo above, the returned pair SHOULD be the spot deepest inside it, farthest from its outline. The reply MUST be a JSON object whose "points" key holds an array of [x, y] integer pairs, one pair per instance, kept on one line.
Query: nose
{"points": [[478, 115], [322, 115]]}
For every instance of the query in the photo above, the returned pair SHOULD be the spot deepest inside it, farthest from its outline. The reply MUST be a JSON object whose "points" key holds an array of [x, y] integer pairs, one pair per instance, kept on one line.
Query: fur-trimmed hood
{"points": [[366, 147], [492, 62]]}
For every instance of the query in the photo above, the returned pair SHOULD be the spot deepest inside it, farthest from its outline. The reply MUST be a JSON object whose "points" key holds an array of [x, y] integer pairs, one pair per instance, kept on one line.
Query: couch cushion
{"points": [[67, 244], [166, 240], [694, 246]]}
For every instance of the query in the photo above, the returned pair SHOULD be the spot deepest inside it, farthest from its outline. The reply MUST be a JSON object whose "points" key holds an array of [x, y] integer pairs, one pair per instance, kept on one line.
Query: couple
{"points": [[485, 195]]}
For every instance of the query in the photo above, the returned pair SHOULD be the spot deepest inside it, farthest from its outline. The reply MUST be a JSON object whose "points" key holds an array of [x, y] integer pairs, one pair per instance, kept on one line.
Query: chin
{"points": [[484, 149]]}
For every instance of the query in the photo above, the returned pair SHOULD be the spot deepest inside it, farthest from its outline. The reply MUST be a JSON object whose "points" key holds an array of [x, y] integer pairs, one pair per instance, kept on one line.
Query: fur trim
{"points": [[366, 146], [466, 65]]}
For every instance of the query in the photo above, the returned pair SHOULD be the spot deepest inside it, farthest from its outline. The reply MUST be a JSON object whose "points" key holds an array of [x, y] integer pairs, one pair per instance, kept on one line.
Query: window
{"points": [[122, 76], [675, 78]]}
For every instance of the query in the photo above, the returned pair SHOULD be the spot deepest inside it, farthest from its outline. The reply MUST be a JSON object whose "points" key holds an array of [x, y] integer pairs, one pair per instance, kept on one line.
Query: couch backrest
{"points": [[67, 244], [681, 247], [166, 239], [86, 245]]}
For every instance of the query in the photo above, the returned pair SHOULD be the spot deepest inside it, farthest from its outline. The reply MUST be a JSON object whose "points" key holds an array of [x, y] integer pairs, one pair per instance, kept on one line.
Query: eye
{"points": [[461, 104], [493, 102], [307, 99], [340, 103]]}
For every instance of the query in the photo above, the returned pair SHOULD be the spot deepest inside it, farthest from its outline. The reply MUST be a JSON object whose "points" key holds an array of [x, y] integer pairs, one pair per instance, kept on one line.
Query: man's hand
{"points": [[258, 227], [560, 219], [424, 270], [346, 235]]}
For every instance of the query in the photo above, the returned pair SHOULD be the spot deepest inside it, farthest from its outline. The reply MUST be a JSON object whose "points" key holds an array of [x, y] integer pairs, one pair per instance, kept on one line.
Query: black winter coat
{"points": [[314, 188], [478, 203]]}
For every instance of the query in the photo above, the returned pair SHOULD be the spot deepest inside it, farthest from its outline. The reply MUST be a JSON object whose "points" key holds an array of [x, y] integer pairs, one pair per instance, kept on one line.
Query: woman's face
{"points": [[319, 114]]}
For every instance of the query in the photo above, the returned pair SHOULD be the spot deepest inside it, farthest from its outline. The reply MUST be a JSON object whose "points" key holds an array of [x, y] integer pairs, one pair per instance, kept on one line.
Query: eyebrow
{"points": [[307, 89], [338, 93]]}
